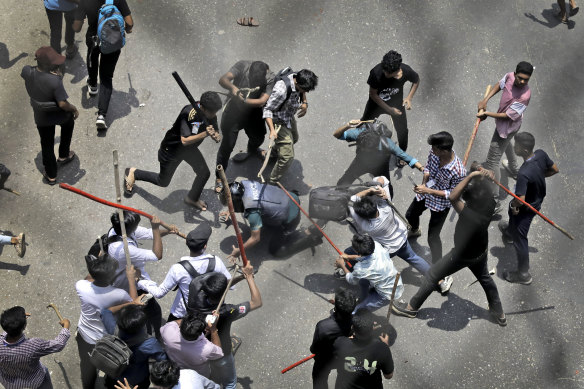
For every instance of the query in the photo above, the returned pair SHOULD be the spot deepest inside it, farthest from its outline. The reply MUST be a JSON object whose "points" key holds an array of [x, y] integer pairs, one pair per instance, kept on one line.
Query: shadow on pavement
{"points": [[5, 61]]}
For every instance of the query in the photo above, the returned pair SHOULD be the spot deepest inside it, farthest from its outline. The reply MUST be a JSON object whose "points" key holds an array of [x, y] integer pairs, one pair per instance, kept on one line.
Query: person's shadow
{"points": [[77, 68], [454, 314], [551, 19], [5, 61], [506, 258], [70, 173]]}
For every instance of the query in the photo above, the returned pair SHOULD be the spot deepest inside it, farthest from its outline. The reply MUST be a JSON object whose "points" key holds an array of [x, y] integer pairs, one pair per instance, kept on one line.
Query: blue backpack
{"points": [[110, 28]]}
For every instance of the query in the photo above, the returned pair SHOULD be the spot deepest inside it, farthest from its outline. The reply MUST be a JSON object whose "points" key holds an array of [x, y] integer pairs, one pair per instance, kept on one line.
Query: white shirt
{"points": [[386, 229], [93, 300], [190, 379], [179, 275]]}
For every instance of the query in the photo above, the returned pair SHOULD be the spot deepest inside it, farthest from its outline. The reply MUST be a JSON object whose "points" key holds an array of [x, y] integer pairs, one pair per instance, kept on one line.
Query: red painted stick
{"points": [[114, 205], [300, 362], [474, 132]]}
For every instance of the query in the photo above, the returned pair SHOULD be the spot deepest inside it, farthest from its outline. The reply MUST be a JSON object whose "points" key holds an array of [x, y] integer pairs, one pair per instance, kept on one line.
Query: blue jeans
{"points": [[369, 298], [518, 229], [223, 372], [5, 239], [407, 254]]}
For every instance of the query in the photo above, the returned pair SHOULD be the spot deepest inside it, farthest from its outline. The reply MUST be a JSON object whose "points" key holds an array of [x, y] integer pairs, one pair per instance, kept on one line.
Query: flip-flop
{"points": [[574, 11], [218, 186], [235, 343], [70, 158], [127, 192], [50, 181], [248, 22], [20, 247], [563, 20]]}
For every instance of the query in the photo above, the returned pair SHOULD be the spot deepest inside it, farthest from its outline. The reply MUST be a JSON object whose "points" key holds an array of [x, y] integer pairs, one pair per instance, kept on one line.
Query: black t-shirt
{"points": [[190, 121], [325, 334], [471, 236], [90, 8], [45, 87], [391, 90], [531, 179], [227, 315], [359, 364], [240, 73]]}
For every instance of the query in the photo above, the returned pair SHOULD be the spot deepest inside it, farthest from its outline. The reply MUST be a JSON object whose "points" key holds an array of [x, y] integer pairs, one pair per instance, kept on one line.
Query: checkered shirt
{"points": [[283, 113]]}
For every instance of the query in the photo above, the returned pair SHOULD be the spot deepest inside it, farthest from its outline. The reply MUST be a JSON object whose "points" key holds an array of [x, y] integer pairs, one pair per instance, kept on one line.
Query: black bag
{"points": [[328, 203], [112, 355], [45, 106], [105, 241], [194, 300], [282, 75], [374, 134]]}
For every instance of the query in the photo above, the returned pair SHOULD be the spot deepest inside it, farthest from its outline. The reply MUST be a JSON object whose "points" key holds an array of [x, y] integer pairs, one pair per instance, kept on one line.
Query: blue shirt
{"points": [[352, 135], [60, 5]]}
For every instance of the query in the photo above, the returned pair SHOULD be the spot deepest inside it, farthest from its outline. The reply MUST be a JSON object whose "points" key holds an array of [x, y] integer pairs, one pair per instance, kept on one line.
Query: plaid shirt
{"points": [[283, 113], [20, 365], [445, 178]]}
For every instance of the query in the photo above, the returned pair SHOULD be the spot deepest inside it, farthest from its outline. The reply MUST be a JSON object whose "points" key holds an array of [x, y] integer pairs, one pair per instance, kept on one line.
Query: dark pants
{"points": [[437, 219], [106, 65], [47, 134], [154, 314], [450, 264], [285, 232], [56, 26], [400, 122], [88, 371], [363, 163], [168, 164], [232, 121], [320, 373], [518, 229], [4, 174]]}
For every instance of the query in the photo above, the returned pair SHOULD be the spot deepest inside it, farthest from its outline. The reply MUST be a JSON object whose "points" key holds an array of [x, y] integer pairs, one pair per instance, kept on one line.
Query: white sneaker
{"points": [[446, 284], [92, 90], [100, 122]]}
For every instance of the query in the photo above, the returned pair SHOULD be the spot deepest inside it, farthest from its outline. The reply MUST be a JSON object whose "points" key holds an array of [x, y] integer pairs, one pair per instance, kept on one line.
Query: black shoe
{"points": [[517, 278], [504, 228], [501, 320], [400, 308]]}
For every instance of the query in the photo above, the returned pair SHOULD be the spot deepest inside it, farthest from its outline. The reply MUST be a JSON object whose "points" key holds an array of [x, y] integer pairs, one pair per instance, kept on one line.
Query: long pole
{"points": [[474, 131], [300, 362], [121, 212], [393, 294]]}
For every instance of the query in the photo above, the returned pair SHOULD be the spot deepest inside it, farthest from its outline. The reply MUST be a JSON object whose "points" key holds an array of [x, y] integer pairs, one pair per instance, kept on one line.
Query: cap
{"points": [[198, 238], [48, 56]]}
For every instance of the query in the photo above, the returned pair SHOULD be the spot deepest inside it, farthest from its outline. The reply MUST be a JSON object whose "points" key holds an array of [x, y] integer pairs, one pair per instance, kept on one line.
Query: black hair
{"points": [[306, 80], [478, 196], [131, 220], [237, 189], [345, 301], [102, 268], [391, 61], [363, 244], [524, 67], [192, 326], [257, 74], [526, 140], [211, 101], [363, 324], [442, 140], [214, 285], [131, 318], [366, 207], [165, 373], [13, 321]]}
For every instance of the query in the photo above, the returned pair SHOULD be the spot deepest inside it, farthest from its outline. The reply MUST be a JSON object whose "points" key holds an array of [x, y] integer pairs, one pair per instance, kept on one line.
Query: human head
{"points": [[441, 142], [131, 221], [363, 324], [164, 374], [210, 104], [523, 73], [102, 268], [345, 302], [478, 195], [197, 239], [13, 321], [131, 318], [366, 207], [237, 189], [257, 74], [391, 63], [214, 285], [524, 144], [192, 326], [306, 80], [363, 244], [48, 59]]}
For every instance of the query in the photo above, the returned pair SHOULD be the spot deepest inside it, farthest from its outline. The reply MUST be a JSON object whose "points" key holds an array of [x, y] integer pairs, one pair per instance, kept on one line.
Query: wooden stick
{"points": [[100, 244], [11, 191], [474, 131], [51, 305], [393, 294], [268, 153], [120, 212], [226, 289]]}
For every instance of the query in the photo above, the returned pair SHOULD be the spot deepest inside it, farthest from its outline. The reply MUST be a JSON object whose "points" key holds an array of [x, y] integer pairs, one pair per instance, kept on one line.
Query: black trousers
{"points": [[4, 174], [56, 26], [363, 163], [232, 121], [169, 161], [320, 373], [105, 65], [450, 264], [400, 123], [88, 371], [437, 219], [47, 134]]}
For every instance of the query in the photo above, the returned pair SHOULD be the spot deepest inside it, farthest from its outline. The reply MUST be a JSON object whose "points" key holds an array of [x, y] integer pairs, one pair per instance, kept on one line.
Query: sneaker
{"points": [[503, 227], [339, 273], [92, 90], [517, 278], [510, 172], [446, 284], [20, 247], [413, 234], [500, 319], [400, 308], [100, 122]]}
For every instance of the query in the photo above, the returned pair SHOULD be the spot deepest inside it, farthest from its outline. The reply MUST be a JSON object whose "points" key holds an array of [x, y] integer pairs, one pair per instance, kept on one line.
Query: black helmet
{"points": [[237, 189]]}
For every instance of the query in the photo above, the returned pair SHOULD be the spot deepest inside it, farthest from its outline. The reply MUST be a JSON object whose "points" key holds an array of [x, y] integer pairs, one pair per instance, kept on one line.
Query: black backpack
{"points": [[282, 75], [373, 134], [196, 282], [332, 202], [105, 241]]}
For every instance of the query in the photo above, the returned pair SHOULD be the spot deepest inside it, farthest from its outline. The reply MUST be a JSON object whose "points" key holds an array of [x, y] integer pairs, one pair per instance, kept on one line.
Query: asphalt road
{"points": [[458, 47]]}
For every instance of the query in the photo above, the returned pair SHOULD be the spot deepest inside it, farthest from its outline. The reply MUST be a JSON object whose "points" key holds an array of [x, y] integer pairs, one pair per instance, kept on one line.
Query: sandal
{"points": [[248, 22], [574, 11], [20, 247], [128, 189], [50, 181], [199, 204], [235, 343], [218, 186], [68, 159]]}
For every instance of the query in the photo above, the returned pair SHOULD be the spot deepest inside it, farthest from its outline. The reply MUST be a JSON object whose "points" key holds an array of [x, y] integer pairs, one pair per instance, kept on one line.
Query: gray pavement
{"points": [[457, 48]]}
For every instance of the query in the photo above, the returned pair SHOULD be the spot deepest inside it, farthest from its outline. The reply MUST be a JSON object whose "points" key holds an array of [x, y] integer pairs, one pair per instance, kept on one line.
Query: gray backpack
{"points": [[112, 355]]}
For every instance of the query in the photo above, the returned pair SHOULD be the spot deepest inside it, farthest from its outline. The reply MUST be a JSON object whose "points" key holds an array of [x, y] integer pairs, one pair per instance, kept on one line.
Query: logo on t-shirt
{"points": [[242, 309], [196, 126], [386, 93]]}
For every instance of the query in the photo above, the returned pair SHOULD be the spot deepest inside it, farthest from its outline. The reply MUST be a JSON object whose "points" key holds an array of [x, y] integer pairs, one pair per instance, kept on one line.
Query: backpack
{"points": [[282, 75], [110, 28], [374, 134], [332, 202], [112, 355], [105, 241], [196, 282]]}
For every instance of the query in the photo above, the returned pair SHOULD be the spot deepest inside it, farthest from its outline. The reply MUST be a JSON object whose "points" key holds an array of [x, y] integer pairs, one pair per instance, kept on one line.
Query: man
{"points": [[19, 243], [373, 271], [531, 188], [48, 99], [20, 365], [508, 118], [288, 95], [443, 171], [105, 64], [250, 85], [325, 334], [373, 151], [386, 90], [178, 275], [167, 375], [185, 342], [56, 11], [563, 15], [362, 358], [471, 241], [181, 143]]}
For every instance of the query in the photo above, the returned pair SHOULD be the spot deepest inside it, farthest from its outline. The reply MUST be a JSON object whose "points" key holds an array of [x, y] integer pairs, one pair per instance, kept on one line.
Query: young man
{"points": [[471, 241], [373, 271], [178, 274], [280, 110], [105, 64], [325, 334], [244, 109], [167, 375], [20, 365], [531, 188], [181, 143], [372, 155], [19, 242], [362, 358], [443, 171], [56, 11], [386, 94]]}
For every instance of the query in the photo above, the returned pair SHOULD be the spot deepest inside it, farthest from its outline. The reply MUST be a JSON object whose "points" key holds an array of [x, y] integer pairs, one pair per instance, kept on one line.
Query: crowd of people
{"points": [[193, 347]]}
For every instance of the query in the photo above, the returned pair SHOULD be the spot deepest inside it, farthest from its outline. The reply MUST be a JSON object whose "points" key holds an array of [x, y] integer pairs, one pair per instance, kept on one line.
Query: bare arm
{"points": [[226, 82], [270, 124], [341, 130], [156, 238], [259, 102], [66, 106], [256, 298], [249, 243], [456, 193], [379, 101], [129, 23], [552, 171], [408, 100], [483, 103]]}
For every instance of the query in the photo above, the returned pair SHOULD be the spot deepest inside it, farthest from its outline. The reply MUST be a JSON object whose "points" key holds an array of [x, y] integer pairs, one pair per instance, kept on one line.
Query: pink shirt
{"points": [[514, 101]]}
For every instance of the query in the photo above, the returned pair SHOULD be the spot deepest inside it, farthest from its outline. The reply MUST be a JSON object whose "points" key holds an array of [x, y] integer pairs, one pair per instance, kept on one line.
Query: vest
{"points": [[272, 202]]}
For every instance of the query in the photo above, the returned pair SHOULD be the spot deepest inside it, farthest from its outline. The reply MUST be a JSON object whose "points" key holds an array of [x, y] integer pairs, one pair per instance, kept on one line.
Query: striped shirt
{"points": [[441, 178], [20, 365], [280, 109]]}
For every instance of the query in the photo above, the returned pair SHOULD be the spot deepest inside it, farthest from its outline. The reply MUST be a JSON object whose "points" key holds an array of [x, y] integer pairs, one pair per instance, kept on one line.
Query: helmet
{"points": [[237, 189]]}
